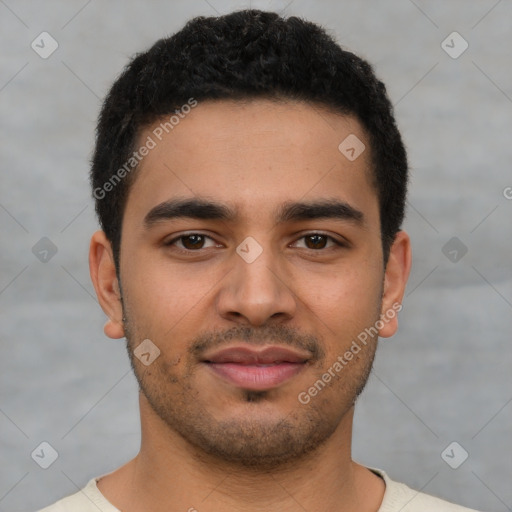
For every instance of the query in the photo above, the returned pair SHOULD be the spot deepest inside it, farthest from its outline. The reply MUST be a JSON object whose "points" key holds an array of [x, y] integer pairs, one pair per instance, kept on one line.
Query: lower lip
{"points": [[256, 378]]}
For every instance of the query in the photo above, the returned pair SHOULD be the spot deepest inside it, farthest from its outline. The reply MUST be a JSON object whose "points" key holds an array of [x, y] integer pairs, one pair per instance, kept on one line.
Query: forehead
{"points": [[253, 155]]}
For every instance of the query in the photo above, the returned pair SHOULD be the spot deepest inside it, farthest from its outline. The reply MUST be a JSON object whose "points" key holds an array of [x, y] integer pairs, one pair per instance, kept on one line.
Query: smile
{"points": [[256, 377], [247, 368]]}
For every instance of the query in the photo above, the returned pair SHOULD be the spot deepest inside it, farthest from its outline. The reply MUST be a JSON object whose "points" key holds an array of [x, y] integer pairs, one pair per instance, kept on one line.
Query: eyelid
{"points": [[336, 241], [178, 237]]}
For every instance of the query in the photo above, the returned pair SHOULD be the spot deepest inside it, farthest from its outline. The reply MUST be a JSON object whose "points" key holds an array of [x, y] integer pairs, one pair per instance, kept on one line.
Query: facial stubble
{"points": [[249, 441]]}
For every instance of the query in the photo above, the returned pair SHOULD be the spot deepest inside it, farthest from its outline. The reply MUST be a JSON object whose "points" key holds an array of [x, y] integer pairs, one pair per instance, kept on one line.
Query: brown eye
{"points": [[316, 241], [192, 242]]}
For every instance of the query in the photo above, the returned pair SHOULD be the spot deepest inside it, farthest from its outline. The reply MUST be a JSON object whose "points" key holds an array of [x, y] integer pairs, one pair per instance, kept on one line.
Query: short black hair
{"points": [[244, 55]]}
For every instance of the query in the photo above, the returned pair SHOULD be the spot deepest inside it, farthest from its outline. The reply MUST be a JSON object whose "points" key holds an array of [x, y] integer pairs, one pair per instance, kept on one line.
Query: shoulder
{"points": [[88, 499], [400, 497]]}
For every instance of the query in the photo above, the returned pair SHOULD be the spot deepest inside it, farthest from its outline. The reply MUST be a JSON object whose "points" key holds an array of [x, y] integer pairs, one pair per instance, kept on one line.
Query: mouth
{"points": [[253, 370]]}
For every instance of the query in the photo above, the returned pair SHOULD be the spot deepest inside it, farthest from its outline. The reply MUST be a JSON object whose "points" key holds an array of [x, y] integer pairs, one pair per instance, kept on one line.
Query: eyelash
{"points": [[172, 242]]}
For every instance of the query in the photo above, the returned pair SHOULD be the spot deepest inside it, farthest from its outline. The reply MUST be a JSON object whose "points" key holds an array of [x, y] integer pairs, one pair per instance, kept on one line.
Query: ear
{"points": [[395, 280], [104, 279]]}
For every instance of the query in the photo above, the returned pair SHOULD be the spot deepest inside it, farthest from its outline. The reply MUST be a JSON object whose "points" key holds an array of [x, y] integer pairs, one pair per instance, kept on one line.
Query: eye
{"points": [[318, 241], [194, 242], [191, 242]]}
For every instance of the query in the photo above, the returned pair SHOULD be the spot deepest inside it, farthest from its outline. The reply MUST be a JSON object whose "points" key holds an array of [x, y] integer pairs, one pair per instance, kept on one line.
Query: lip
{"points": [[256, 370]]}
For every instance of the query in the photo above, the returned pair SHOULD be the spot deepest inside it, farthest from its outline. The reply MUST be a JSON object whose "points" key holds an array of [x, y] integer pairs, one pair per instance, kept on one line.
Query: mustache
{"points": [[276, 334]]}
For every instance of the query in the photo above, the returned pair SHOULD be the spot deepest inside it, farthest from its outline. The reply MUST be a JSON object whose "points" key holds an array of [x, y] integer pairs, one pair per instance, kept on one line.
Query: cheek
{"points": [[163, 292], [344, 299], [164, 304]]}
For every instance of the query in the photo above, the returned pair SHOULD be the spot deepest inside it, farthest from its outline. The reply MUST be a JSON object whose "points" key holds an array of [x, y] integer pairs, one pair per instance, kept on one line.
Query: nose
{"points": [[256, 292]]}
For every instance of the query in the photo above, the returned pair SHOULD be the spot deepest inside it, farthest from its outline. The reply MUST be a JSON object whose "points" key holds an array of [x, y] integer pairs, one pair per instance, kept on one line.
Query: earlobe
{"points": [[395, 281], [104, 279]]}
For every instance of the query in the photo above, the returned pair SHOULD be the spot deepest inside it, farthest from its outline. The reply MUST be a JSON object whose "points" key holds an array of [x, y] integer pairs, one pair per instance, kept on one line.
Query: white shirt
{"points": [[397, 498]]}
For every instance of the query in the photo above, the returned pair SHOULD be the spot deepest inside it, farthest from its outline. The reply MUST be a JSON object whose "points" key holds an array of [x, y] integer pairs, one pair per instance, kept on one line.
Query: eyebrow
{"points": [[288, 212]]}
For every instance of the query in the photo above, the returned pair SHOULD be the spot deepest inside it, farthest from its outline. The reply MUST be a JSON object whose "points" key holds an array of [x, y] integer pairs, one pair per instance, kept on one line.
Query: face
{"points": [[251, 259]]}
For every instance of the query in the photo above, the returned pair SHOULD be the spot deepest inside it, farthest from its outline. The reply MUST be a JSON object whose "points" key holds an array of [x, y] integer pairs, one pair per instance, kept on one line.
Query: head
{"points": [[232, 214]]}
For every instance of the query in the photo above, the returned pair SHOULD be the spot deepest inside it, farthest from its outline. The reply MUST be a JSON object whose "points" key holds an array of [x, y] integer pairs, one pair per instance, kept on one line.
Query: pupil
{"points": [[317, 239], [193, 241]]}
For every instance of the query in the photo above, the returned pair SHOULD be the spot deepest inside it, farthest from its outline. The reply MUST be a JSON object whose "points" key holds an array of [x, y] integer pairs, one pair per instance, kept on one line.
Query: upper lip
{"points": [[249, 355]]}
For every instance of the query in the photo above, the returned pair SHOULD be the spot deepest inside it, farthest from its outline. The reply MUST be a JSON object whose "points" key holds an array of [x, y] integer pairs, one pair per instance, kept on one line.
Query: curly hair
{"points": [[245, 55]]}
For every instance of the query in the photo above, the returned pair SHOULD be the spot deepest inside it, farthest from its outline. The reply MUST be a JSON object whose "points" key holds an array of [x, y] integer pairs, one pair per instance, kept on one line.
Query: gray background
{"points": [[444, 377]]}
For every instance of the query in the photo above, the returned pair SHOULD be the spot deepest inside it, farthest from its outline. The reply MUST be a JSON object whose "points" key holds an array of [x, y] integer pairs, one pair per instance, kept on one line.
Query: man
{"points": [[250, 182]]}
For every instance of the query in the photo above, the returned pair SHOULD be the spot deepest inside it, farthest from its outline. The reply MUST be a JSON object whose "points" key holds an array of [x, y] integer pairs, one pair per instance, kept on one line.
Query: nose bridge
{"points": [[254, 288], [257, 266]]}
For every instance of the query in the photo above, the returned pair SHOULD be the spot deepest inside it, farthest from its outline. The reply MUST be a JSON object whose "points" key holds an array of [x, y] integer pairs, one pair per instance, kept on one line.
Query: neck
{"points": [[170, 475]]}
